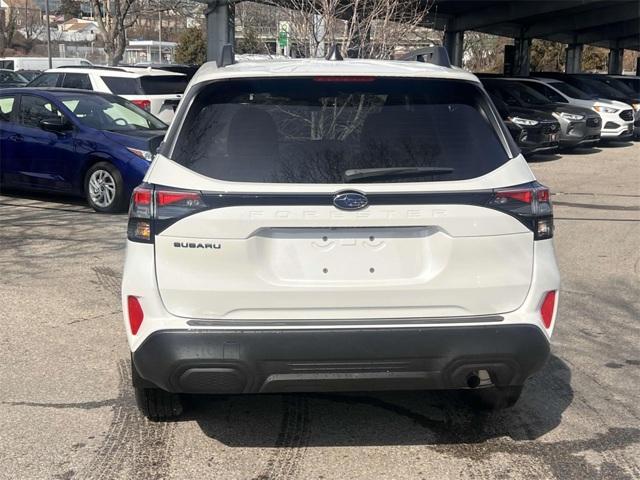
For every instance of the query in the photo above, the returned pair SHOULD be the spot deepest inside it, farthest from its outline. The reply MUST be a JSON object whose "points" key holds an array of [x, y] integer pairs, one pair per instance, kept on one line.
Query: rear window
{"points": [[6, 64], [123, 85], [163, 85], [322, 130]]}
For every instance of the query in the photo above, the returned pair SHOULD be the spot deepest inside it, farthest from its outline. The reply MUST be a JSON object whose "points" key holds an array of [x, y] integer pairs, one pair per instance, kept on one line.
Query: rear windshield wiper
{"points": [[364, 173]]}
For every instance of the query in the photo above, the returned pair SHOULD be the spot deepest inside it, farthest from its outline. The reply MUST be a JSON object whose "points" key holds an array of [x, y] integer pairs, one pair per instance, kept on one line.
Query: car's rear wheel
{"points": [[494, 398], [154, 403], [158, 405], [104, 188]]}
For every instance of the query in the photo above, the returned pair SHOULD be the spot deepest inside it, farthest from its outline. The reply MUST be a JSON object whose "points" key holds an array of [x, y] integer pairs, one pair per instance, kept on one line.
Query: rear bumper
{"points": [[260, 361]]}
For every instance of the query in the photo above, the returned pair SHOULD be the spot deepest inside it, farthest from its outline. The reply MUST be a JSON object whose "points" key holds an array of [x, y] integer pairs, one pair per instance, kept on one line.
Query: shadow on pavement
{"points": [[382, 418]]}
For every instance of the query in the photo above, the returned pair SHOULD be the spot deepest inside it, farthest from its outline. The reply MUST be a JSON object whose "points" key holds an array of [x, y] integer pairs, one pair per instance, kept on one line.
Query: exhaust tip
{"points": [[473, 380]]}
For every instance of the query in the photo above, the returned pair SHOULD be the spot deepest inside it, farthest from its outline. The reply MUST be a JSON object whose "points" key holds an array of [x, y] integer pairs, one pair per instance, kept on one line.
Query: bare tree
{"points": [[8, 27], [365, 28], [113, 18]]}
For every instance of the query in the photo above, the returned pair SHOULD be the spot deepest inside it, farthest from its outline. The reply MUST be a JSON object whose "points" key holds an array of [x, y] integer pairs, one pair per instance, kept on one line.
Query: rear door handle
{"points": [[16, 138]]}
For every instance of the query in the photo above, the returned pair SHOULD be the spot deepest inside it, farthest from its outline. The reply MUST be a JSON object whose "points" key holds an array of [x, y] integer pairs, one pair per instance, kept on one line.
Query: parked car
{"points": [[188, 70], [631, 81], [533, 130], [579, 126], [156, 91], [10, 79], [30, 74], [40, 63], [81, 143], [598, 89], [613, 113], [332, 225]]}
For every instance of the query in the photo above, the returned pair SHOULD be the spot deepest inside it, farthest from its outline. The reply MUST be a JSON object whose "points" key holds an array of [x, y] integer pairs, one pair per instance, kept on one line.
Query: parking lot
{"points": [[67, 409]]}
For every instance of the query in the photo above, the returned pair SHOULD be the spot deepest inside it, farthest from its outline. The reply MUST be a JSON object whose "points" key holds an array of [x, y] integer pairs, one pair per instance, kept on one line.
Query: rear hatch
{"points": [[341, 199]]}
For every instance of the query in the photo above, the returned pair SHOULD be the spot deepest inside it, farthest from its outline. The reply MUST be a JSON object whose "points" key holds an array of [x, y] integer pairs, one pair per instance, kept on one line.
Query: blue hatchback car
{"points": [[76, 142]]}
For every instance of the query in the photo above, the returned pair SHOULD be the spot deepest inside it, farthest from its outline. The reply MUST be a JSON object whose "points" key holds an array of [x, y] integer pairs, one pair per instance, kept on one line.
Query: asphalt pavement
{"points": [[67, 408]]}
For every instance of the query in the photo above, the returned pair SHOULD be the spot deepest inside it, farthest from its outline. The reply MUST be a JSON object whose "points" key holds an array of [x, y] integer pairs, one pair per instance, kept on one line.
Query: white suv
{"points": [[156, 91], [617, 117], [316, 225]]}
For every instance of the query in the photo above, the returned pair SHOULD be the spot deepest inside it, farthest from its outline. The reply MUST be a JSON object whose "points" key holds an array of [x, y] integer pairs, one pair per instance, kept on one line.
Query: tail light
{"points": [[143, 104], [547, 309], [531, 204], [153, 209]]}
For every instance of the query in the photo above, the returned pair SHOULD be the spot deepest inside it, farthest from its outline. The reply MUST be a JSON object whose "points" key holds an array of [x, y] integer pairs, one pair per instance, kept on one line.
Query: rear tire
{"points": [[154, 403], [158, 405], [104, 188], [494, 398]]}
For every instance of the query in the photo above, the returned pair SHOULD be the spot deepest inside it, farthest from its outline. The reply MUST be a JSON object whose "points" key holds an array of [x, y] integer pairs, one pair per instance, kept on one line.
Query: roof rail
{"points": [[227, 56], [93, 67], [436, 55]]}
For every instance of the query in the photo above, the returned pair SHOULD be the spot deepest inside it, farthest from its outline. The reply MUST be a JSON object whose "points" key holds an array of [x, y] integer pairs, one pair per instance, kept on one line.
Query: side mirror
{"points": [[55, 125]]}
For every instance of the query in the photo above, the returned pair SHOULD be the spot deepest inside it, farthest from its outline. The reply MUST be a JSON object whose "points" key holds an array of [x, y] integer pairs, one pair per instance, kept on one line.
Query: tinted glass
{"points": [[6, 107], [571, 91], [307, 130], [110, 113], [8, 64], [123, 85], [34, 109], [618, 85], [597, 88], [46, 80], [11, 77], [549, 93], [77, 80], [163, 85], [515, 94]]}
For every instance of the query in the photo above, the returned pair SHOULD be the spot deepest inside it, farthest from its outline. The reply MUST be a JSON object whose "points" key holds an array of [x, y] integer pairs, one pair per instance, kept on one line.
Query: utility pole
{"points": [[159, 37], [46, 13]]}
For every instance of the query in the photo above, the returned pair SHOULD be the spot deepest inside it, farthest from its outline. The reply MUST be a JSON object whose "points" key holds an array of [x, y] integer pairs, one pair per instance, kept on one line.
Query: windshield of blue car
{"points": [[571, 91], [110, 113], [8, 76]]}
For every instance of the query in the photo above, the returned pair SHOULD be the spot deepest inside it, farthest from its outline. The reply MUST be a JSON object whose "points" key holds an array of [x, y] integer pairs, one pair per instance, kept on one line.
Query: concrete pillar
{"points": [[573, 58], [220, 17], [615, 61], [453, 43], [522, 57]]}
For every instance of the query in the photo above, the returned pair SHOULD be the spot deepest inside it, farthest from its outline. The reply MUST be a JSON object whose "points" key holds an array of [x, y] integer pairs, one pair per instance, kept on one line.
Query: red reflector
{"points": [[546, 311], [142, 196], [164, 198], [144, 104], [136, 315], [345, 79], [525, 196]]}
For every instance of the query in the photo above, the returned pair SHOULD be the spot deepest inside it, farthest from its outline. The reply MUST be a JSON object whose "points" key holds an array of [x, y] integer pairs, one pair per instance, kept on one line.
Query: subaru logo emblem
{"points": [[350, 201]]}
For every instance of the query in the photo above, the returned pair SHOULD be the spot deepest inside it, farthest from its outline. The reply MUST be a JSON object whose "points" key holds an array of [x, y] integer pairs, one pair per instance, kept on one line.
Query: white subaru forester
{"points": [[315, 225]]}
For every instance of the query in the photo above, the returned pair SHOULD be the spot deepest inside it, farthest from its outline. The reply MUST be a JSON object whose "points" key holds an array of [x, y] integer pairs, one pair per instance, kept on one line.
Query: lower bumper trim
{"points": [[257, 361]]}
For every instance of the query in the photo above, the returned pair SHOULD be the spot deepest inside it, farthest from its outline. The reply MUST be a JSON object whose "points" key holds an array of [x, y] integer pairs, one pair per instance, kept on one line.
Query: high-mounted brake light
{"points": [[547, 309], [530, 204], [344, 79], [136, 315], [143, 104]]}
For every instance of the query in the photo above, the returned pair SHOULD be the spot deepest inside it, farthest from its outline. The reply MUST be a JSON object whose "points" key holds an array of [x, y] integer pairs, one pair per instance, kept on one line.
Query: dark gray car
{"points": [[579, 127]]}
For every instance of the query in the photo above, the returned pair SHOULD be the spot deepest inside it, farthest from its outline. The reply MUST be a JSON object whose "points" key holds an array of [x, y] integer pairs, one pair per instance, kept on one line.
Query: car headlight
{"points": [[601, 109], [572, 117], [523, 121], [145, 155]]}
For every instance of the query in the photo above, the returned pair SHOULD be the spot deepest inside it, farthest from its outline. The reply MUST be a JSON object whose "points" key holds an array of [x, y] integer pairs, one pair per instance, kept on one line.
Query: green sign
{"points": [[283, 38]]}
